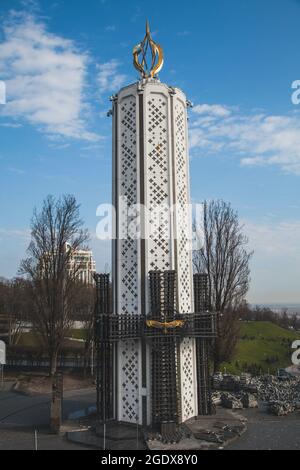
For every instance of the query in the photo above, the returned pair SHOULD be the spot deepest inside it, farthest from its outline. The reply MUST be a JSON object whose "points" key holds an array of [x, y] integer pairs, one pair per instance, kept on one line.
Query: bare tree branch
{"points": [[56, 233], [225, 259]]}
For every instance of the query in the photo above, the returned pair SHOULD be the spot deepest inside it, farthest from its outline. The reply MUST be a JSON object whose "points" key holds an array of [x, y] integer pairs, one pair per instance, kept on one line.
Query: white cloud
{"points": [[184, 33], [256, 139], [12, 125], [271, 238], [110, 28], [212, 110], [275, 267], [109, 79], [45, 76], [14, 233], [17, 171]]}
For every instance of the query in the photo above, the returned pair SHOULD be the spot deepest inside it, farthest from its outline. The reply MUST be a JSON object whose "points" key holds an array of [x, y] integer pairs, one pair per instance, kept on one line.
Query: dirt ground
{"points": [[30, 383]]}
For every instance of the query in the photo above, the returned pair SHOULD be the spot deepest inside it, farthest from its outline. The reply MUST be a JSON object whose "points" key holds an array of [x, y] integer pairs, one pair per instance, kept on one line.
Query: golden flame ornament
{"points": [[156, 56]]}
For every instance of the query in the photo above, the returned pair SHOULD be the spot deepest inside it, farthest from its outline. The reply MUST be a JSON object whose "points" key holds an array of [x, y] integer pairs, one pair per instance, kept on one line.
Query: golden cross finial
{"points": [[157, 56]]}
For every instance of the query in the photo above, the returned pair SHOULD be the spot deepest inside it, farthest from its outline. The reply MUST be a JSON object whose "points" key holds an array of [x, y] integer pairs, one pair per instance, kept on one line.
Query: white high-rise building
{"points": [[82, 261]]}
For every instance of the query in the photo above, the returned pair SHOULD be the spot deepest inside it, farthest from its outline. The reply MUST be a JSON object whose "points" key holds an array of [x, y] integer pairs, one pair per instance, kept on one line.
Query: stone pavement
{"points": [[205, 433], [21, 415], [23, 439], [267, 432], [208, 432]]}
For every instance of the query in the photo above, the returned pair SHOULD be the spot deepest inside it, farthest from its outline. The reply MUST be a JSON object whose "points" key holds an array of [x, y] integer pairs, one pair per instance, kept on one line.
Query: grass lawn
{"points": [[263, 347], [33, 340], [29, 340], [77, 334]]}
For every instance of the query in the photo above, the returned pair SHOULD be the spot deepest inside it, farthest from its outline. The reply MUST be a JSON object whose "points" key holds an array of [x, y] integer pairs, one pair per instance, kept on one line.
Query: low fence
{"points": [[26, 358]]}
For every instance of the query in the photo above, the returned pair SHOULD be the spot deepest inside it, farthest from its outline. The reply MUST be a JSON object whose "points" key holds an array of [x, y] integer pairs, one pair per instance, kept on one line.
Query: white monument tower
{"points": [[151, 168]]}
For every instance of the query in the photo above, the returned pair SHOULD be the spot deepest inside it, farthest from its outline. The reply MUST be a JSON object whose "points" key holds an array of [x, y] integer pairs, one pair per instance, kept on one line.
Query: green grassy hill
{"points": [[263, 347]]}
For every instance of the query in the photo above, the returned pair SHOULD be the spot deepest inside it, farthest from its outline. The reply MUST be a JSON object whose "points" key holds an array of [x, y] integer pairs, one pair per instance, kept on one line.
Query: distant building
{"points": [[83, 262]]}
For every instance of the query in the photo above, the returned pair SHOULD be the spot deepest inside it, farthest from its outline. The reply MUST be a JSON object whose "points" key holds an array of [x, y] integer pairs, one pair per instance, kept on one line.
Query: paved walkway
{"points": [[267, 432], [20, 416]]}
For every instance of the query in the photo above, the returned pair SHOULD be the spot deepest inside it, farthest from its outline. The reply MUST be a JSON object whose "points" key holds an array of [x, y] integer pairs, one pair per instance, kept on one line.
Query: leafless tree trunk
{"points": [[84, 305], [14, 308], [225, 259], [56, 233]]}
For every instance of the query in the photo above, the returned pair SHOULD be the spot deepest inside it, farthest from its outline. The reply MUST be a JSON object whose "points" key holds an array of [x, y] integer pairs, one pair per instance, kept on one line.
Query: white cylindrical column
{"points": [[150, 167]]}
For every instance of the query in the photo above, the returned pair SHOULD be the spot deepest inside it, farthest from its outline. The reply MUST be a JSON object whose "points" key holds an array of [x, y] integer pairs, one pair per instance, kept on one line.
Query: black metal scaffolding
{"points": [[202, 304], [164, 328], [165, 365], [104, 349]]}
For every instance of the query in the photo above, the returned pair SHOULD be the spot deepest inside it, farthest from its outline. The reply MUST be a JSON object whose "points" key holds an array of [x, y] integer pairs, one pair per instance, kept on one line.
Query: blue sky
{"points": [[236, 61]]}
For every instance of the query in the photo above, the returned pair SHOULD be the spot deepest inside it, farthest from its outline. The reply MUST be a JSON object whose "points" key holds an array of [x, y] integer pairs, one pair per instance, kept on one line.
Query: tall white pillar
{"points": [[150, 167]]}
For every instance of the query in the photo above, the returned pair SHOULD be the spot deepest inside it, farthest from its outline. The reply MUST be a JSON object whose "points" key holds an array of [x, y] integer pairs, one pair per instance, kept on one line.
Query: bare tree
{"points": [[4, 307], [56, 233], [14, 308], [295, 321], [225, 259], [84, 306]]}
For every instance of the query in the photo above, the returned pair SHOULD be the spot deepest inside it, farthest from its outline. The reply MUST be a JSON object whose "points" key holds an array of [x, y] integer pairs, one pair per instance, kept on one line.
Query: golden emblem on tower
{"points": [[166, 326], [141, 60]]}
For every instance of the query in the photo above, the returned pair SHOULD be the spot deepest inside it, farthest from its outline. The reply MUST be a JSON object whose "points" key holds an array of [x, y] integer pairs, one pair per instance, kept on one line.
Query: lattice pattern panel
{"points": [[183, 217], [128, 255], [188, 379], [129, 368], [158, 181], [128, 297]]}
